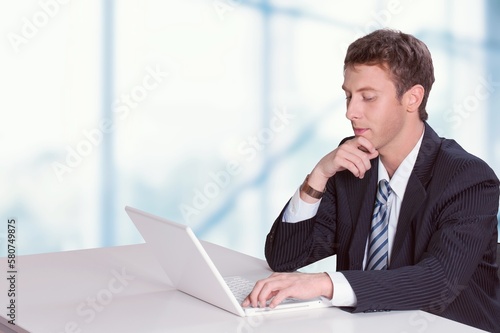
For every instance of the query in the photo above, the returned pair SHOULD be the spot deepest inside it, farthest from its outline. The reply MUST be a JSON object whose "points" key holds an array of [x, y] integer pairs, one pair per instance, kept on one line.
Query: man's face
{"points": [[373, 107]]}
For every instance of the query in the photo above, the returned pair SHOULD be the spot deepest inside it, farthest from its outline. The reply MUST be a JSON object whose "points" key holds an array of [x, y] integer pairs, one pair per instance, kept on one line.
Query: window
{"points": [[209, 113]]}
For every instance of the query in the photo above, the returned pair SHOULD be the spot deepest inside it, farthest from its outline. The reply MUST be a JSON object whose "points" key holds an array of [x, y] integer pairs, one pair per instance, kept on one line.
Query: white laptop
{"points": [[191, 270]]}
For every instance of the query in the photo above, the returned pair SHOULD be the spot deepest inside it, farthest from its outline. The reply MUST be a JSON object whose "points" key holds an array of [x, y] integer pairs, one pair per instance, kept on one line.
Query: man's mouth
{"points": [[359, 131]]}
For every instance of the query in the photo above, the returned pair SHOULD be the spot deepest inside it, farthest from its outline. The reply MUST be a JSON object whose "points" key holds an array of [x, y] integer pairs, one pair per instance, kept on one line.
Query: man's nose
{"points": [[353, 110]]}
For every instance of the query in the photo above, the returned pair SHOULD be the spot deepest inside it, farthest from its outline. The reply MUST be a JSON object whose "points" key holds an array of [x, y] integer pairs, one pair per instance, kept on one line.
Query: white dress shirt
{"points": [[299, 210]]}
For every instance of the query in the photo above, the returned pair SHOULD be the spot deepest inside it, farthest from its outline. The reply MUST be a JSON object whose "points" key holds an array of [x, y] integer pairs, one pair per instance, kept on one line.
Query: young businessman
{"points": [[411, 216]]}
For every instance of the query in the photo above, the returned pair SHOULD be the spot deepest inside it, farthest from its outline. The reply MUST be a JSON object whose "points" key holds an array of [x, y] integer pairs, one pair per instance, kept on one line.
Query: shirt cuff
{"points": [[299, 210], [343, 295]]}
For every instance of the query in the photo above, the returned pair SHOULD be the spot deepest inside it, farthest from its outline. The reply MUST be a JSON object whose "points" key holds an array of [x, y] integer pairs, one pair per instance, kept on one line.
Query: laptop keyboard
{"points": [[239, 286]]}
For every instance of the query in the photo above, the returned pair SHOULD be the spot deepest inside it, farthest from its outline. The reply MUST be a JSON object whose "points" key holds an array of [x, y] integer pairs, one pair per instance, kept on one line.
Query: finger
{"points": [[364, 164], [353, 168], [356, 162], [259, 294], [252, 298], [279, 297], [266, 294], [366, 146], [370, 155], [360, 157]]}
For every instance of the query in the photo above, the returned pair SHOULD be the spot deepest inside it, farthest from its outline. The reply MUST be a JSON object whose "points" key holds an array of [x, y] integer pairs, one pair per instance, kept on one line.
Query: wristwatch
{"points": [[310, 191]]}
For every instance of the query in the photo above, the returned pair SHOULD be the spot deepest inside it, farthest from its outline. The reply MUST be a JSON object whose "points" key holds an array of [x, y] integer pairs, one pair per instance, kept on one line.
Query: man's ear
{"points": [[415, 95]]}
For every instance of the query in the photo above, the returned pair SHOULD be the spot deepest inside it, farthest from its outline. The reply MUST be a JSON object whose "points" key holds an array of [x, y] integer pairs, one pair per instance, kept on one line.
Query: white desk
{"points": [[123, 289]]}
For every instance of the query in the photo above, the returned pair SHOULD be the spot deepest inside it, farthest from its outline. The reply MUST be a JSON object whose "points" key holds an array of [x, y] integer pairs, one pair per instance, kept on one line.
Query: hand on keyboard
{"points": [[279, 286]]}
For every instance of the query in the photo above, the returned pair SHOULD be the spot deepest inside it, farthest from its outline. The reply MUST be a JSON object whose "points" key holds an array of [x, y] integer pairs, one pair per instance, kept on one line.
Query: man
{"points": [[411, 216]]}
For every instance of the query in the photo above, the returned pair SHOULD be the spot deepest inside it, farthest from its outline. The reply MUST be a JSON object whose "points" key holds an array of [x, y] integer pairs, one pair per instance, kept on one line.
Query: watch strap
{"points": [[307, 189]]}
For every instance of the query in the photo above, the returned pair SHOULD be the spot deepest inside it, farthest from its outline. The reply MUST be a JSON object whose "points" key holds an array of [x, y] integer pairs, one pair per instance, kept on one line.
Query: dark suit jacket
{"points": [[444, 250]]}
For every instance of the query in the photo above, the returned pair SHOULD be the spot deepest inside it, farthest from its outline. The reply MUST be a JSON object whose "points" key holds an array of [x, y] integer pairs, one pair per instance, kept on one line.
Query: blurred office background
{"points": [[207, 112]]}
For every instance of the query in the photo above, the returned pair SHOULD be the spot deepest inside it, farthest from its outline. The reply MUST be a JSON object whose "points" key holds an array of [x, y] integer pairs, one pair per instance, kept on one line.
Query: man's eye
{"points": [[368, 98]]}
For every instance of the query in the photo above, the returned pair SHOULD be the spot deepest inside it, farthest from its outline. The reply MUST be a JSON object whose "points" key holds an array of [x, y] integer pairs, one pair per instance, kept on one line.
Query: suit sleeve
{"points": [[290, 246]]}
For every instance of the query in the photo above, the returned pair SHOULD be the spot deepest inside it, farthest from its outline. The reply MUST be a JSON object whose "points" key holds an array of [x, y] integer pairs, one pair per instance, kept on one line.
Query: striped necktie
{"points": [[378, 245]]}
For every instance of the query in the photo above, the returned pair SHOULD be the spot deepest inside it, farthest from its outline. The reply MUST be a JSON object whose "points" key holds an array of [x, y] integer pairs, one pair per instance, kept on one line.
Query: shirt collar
{"points": [[400, 178]]}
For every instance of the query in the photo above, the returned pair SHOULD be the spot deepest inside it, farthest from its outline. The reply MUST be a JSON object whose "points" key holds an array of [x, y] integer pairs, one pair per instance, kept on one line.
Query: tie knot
{"points": [[384, 190]]}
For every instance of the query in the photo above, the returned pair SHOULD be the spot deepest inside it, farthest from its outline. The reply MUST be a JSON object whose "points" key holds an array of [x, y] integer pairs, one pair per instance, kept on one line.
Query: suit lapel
{"points": [[416, 193], [362, 194]]}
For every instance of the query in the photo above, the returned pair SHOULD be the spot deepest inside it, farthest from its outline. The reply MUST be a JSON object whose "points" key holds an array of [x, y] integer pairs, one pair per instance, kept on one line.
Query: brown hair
{"points": [[407, 59]]}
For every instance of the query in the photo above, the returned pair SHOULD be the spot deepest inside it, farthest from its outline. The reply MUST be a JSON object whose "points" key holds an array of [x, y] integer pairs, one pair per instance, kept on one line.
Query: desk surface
{"points": [[123, 289]]}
